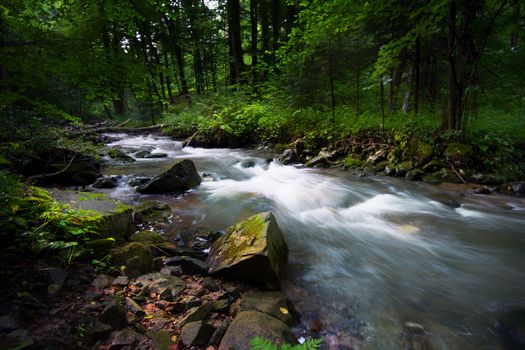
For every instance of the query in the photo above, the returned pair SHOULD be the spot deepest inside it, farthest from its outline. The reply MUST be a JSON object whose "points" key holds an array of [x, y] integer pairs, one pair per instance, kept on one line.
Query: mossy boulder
{"points": [[459, 154], [250, 324], [433, 166], [135, 256], [105, 217], [403, 168], [253, 250], [152, 212], [147, 237], [352, 161], [118, 155], [443, 175], [418, 151], [181, 177]]}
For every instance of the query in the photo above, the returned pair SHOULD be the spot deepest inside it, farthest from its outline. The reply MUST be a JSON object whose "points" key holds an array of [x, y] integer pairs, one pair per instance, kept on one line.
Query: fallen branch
{"points": [[32, 179], [457, 173], [119, 129]]}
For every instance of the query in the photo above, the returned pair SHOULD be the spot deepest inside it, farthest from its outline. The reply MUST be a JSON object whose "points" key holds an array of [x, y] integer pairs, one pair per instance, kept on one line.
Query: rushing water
{"points": [[367, 254]]}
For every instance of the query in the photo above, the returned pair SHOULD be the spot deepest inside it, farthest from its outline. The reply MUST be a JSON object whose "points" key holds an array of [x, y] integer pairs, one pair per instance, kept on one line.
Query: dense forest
{"points": [[424, 90]]}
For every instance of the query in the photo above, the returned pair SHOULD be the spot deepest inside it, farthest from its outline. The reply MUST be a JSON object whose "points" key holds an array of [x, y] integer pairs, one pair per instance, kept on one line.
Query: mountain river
{"points": [[367, 254]]}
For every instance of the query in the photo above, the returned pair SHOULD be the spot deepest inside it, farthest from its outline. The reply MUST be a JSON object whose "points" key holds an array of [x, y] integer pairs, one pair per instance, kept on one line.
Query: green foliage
{"points": [[33, 223], [260, 343]]}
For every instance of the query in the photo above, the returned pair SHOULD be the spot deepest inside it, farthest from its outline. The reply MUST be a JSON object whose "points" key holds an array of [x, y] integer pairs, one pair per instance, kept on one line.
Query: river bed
{"points": [[367, 254]]}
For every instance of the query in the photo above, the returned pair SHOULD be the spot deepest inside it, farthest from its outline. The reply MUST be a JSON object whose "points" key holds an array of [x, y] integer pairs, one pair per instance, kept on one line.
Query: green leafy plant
{"points": [[261, 343]]}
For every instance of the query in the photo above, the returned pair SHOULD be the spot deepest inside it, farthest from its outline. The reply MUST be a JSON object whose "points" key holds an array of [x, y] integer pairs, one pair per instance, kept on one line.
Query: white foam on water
{"points": [[291, 189]]}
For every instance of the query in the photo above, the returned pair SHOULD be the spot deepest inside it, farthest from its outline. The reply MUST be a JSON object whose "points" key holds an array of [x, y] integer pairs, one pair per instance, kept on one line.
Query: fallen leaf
{"points": [[174, 338], [283, 310]]}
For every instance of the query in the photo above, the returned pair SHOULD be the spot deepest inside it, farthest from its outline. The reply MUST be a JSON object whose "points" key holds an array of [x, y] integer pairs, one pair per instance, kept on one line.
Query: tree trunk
{"points": [[234, 26], [358, 91], [276, 26], [516, 26], [417, 72], [382, 102], [253, 27]]}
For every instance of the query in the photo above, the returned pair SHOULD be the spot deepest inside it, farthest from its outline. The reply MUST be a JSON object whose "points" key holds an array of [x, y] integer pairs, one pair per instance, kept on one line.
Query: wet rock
{"points": [[190, 266], [197, 240], [190, 301], [135, 256], [152, 212], [443, 175], [198, 313], [156, 155], [120, 156], [486, 179], [114, 315], [106, 182], [288, 157], [142, 154], [125, 338], [250, 324], [196, 333], [252, 250], [168, 287], [248, 163], [416, 337], [162, 339], [147, 237], [181, 177], [84, 178], [415, 175], [390, 170], [513, 188], [319, 161], [273, 303], [459, 154], [139, 180], [482, 190]]}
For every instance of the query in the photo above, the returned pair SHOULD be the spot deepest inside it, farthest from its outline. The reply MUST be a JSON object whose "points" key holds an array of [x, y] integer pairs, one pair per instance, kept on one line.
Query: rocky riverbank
{"points": [[413, 159], [202, 291]]}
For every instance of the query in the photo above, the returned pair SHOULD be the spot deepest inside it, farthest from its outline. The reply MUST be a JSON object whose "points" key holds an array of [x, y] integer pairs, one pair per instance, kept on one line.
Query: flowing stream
{"points": [[367, 254]]}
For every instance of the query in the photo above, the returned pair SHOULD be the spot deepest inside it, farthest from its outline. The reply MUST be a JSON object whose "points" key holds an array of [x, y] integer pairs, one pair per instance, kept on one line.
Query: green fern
{"points": [[261, 343]]}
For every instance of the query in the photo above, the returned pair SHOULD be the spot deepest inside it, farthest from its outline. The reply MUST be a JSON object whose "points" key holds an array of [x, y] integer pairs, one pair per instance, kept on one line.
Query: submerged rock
{"points": [[106, 182], [253, 250], [118, 155], [250, 324], [156, 155], [181, 177]]}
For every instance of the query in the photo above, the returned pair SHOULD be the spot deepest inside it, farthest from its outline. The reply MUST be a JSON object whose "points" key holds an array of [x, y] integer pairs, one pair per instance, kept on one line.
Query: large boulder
{"points": [[181, 177], [253, 250], [251, 324], [273, 303]]}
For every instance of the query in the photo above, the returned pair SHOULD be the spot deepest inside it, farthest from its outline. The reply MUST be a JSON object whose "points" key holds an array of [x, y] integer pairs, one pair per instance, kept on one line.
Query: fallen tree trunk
{"points": [[100, 130]]}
